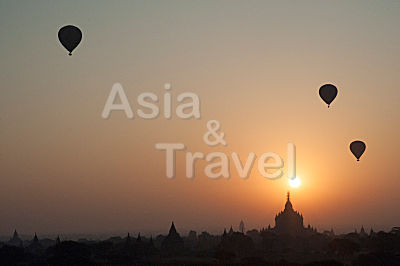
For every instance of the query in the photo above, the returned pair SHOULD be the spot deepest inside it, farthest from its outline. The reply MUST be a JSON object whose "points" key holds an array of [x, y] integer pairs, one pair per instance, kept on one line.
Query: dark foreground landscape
{"points": [[289, 242], [232, 248]]}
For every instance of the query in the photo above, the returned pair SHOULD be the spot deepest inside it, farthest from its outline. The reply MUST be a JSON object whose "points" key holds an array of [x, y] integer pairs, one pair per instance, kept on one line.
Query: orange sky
{"points": [[256, 68]]}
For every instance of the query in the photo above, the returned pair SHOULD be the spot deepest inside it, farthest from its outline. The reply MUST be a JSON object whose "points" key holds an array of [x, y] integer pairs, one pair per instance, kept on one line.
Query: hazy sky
{"points": [[256, 66]]}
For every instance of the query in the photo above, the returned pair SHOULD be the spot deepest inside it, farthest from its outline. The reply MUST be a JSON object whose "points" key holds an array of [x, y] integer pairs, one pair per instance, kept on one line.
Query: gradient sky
{"points": [[256, 66]]}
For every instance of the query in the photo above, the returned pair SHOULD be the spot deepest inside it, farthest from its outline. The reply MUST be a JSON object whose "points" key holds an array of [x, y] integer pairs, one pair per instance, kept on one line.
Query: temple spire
{"points": [[288, 205], [15, 234], [172, 230]]}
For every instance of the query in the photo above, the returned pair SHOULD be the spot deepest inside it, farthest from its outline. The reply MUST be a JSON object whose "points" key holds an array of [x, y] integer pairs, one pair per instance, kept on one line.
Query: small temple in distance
{"points": [[290, 222], [173, 243]]}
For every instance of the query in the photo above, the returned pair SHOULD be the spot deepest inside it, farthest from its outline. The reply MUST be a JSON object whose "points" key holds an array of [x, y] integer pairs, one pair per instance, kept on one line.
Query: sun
{"points": [[294, 182]]}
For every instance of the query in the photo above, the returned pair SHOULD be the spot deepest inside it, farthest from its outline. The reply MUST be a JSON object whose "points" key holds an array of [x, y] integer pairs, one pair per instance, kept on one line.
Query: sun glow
{"points": [[295, 182]]}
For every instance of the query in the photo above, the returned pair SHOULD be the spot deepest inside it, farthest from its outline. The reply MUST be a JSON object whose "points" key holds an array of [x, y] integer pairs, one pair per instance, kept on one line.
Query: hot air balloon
{"points": [[328, 93], [357, 148], [70, 36]]}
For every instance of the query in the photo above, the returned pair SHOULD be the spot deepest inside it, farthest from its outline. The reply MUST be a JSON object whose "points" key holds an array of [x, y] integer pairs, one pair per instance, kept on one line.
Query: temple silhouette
{"points": [[290, 222], [173, 243]]}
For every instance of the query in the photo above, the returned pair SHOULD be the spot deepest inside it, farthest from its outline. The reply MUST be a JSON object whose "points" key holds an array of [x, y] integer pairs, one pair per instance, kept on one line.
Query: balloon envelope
{"points": [[70, 36], [328, 93], [357, 148]]}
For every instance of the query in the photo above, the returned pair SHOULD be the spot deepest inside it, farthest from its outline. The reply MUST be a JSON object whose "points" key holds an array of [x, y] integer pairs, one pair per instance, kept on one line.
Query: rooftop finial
{"points": [[288, 195]]}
